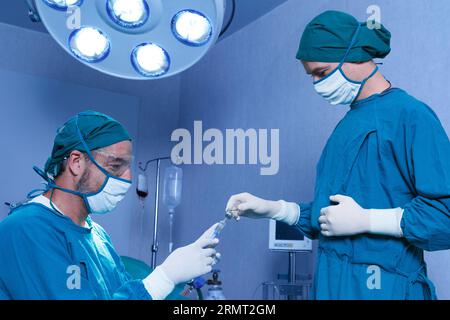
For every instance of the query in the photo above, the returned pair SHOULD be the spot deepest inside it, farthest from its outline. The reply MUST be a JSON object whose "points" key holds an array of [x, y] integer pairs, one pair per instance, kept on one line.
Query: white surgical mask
{"points": [[108, 197], [336, 87]]}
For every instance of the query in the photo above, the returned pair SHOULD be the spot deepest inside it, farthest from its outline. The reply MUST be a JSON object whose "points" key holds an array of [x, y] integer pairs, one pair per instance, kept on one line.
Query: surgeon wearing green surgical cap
{"points": [[382, 192], [50, 247]]}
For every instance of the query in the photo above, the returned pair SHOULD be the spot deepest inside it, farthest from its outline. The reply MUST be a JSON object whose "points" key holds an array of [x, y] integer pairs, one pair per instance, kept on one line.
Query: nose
{"points": [[127, 175]]}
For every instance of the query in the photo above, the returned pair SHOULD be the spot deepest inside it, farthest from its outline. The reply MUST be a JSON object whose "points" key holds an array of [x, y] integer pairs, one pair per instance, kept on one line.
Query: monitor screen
{"points": [[286, 238], [286, 232]]}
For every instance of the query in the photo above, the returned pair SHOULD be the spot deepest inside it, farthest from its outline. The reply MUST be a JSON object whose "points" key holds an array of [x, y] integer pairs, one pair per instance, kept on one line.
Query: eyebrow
{"points": [[120, 159], [117, 160], [318, 70]]}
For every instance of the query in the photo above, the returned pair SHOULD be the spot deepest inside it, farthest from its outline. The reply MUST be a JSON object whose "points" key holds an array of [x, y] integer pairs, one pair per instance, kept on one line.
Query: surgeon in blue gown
{"points": [[50, 247], [382, 193]]}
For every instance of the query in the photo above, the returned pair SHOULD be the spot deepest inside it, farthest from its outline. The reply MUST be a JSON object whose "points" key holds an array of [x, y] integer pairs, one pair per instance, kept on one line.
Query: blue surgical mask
{"points": [[106, 199], [336, 87]]}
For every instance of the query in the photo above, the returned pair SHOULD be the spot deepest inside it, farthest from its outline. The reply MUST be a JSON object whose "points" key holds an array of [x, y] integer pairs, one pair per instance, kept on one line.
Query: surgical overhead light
{"points": [[134, 39], [128, 13], [150, 60], [89, 44], [191, 27], [63, 4]]}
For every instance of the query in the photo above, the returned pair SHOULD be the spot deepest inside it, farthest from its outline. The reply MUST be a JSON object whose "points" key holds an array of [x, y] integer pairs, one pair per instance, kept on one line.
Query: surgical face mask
{"points": [[106, 199], [109, 195], [336, 87]]}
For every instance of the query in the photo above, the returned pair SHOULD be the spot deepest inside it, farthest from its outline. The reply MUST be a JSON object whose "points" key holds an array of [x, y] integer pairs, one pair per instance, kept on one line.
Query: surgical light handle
{"points": [[32, 11]]}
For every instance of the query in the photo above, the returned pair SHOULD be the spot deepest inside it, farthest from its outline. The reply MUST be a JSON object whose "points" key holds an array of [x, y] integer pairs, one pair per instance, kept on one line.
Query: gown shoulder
{"points": [[407, 105], [25, 215]]}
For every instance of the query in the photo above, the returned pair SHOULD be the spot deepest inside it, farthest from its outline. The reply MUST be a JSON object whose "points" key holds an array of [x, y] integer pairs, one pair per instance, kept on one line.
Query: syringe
{"points": [[220, 226], [216, 233]]}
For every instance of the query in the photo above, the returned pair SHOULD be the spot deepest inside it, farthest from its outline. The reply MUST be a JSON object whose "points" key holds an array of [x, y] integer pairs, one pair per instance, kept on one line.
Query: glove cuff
{"points": [[289, 213], [386, 222], [158, 284]]}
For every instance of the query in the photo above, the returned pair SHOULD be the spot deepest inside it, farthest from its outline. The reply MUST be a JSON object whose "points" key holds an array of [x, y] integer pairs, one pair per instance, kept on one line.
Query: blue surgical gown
{"points": [[389, 151], [41, 253]]}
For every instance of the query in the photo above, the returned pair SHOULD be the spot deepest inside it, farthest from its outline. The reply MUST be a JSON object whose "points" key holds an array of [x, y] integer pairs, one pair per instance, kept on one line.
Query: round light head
{"points": [[63, 4], [192, 27], [150, 60], [128, 13], [89, 44], [134, 39]]}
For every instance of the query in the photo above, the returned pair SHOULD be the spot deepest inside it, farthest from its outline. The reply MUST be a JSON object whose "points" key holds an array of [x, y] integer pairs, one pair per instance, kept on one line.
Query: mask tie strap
{"points": [[50, 183], [352, 43], [363, 83], [88, 151], [370, 76]]}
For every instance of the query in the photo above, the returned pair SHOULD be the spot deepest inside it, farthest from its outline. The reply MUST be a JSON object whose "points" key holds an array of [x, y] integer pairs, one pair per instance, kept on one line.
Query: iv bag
{"points": [[142, 186], [173, 178]]}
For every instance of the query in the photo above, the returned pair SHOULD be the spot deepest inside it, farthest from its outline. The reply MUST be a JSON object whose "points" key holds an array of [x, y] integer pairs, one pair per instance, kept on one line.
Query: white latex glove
{"points": [[183, 265], [348, 218], [247, 205]]}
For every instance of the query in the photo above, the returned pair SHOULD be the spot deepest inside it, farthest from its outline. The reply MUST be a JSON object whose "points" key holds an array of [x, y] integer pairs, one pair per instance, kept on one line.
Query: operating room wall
{"points": [[41, 86], [252, 80]]}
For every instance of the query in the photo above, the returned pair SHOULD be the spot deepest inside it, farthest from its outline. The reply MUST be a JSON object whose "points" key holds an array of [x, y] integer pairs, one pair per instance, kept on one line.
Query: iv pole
{"points": [[155, 220]]}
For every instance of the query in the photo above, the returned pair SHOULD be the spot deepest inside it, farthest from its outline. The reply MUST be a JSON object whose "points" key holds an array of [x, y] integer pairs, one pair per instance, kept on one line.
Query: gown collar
{"points": [[372, 98], [45, 202]]}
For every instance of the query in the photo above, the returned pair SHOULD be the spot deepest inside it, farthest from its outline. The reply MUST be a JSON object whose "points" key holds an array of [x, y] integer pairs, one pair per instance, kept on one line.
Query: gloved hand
{"points": [[348, 218], [247, 205], [192, 261], [183, 265]]}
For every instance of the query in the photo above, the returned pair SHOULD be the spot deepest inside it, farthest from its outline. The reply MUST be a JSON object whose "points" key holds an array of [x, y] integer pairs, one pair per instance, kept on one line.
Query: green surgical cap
{"points": [[328, 36], [98, 130]]}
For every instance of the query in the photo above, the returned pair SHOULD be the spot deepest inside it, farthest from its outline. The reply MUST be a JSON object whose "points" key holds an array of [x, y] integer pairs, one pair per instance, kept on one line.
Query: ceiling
{"points": [[15, 12]]}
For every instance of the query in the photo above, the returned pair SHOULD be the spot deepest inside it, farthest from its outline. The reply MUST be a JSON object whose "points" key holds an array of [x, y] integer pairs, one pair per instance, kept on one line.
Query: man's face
{"points": [[115, 159], [319, 70]]}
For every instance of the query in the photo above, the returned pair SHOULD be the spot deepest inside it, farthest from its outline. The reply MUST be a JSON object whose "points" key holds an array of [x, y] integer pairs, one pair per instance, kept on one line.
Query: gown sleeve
{"points": [[3, 293], [426, 219], [304, 221], [130, 289]]}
